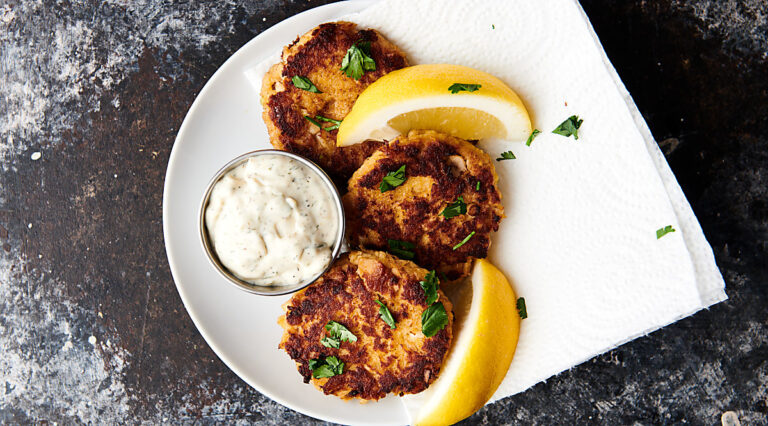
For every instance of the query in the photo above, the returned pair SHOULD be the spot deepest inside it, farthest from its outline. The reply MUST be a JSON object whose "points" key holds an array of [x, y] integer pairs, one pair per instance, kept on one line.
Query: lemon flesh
{"points": [[418, 97], [486, 330]]}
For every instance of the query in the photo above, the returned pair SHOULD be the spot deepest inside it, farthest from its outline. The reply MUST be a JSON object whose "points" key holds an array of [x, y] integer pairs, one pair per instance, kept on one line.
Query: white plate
{"points": [[224, 122]]}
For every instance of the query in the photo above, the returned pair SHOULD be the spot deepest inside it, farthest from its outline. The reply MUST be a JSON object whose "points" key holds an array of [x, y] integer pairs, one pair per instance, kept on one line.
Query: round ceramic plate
{"points": [[224, 122]]}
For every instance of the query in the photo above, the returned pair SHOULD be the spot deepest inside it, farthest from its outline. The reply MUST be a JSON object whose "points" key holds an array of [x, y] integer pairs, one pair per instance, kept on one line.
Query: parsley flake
{"points": [[304, 83], [328, 367], [569, 127], [455, 208], [464, 241], [337, 333], [386, 315], [401, 249], [664, 231], [357, 60], [533, 135], [433, 319], [430, 285], [477, 187], [521, 308], [466, 87], [393, 179], [508, 155], [317, 122]]}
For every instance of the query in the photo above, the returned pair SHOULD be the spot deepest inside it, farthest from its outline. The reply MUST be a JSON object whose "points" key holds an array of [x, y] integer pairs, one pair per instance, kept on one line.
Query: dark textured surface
{"points": [[92, 329]]}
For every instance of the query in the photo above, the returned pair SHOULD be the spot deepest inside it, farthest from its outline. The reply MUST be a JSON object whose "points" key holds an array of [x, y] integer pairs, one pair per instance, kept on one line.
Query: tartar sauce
{"points": [[272, 221]]}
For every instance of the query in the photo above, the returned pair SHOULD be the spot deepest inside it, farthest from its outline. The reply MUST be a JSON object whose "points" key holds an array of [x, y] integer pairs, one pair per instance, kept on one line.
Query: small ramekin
{"points": [[264, 290]]}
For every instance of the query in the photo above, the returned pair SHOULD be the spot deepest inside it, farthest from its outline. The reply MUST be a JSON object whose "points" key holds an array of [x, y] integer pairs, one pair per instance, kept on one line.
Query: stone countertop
{"points": [[92, 329]]}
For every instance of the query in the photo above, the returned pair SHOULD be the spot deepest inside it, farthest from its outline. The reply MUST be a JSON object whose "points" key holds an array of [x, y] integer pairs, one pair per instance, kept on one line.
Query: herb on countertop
{"points": [[393, 179], [386, 315], [304, 83], [430, 285], [664, 231], [455, 208], [533, 135], [508, 155], [569, 127], [357, 60], [465, 87], [401, 249], [328, 367], [464, 241], [521, 308], [433, 319]]}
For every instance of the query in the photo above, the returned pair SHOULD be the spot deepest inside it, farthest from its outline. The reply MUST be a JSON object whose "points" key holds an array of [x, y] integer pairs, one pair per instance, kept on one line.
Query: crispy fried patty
{"points": [[382, 360], [317, 55], [439, 170]]}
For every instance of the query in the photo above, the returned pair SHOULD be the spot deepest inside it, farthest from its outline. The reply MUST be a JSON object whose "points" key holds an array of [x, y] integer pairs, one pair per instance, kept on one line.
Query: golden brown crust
{"points": [[317, 55], [439, 169], [382, 360]]}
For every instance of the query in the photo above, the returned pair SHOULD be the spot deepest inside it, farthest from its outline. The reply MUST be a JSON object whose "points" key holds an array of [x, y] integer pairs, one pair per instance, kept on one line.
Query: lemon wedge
{"points": [[418, 97], [486, 328]]}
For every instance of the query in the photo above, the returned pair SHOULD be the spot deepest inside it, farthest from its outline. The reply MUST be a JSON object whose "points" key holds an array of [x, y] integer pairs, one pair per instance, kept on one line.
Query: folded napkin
{"points": [[579, 238]]}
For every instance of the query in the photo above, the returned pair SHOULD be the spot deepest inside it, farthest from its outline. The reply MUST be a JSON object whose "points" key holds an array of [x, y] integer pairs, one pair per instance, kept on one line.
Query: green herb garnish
{"points": [[521, 308], [386, 315], [508, 155], [477, 187], [304, 83], [337, 333], [455, 208], [459, 87], [318, 118], [464, 241], [533, 135], [430, 285], [664, 231], [401, 249], [569, 127], [358, 60], [328, 367], [433, 319], [393, 179]]}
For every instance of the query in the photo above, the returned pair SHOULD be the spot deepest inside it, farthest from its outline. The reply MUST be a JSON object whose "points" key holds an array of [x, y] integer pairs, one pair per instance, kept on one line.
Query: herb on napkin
{"points": [[569, 127], [664, 231], [521, 308], [508, 155], [533, 135]]}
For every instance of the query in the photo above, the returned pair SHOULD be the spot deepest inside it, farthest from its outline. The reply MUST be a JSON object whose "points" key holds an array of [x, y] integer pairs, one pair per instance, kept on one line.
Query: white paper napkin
{"points": [[579, 240]]}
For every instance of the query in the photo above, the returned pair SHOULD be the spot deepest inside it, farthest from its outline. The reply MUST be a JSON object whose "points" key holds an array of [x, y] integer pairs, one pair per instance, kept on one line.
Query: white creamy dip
{"points": [[272, 221]]}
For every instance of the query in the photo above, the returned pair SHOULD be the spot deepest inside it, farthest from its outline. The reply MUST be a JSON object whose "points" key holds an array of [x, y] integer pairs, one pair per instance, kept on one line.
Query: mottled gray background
{"points": [[93, 331]]}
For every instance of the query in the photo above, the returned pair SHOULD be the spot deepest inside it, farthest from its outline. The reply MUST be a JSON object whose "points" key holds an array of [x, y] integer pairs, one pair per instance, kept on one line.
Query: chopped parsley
{"points": [[393, 179], [508, 155], [569, 127], [328, 367], [433, 319], [358, 60], [337, 333], [533, 135], [464, 241], [664, 231], [521, 308], [493, 27], [430, 285], [317, 122], [465, 87], [477, 187], [401, 249], [304, 83], [386, 315], [455, 208]]}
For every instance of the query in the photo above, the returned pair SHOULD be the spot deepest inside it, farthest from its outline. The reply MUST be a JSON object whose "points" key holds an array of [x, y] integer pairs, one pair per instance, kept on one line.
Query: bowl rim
{"points": [[264, 290]]}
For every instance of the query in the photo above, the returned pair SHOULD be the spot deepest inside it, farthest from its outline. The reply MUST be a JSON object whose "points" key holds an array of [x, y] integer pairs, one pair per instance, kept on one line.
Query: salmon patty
{"points": [[370, 359], [443, 212], [328, 93]]}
